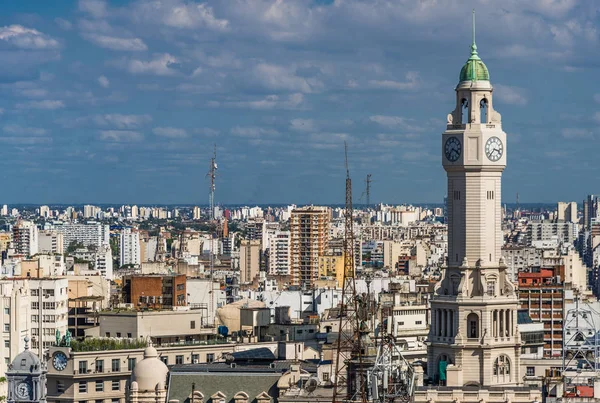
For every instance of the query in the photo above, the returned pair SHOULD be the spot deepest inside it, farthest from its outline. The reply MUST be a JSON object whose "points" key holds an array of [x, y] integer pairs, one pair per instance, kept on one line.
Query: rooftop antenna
{"points": [[212, 174], [349, 342]]}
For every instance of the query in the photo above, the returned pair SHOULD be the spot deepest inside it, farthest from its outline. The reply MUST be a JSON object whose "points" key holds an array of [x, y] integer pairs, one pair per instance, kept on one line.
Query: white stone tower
{"points": [[474, 338]]}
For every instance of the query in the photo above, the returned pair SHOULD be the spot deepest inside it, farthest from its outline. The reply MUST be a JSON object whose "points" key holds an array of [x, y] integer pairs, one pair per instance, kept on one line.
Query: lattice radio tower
{"points": [[368, 182], [349, 385], [211, 175]]}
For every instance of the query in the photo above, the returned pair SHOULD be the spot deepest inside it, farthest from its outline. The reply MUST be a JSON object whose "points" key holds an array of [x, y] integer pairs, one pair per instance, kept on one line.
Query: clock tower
{"points": [[473, 337], [26, 378]]}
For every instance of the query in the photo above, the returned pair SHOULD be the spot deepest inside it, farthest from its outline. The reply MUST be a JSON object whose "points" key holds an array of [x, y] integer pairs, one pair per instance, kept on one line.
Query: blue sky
{"points": [[121, 102]]}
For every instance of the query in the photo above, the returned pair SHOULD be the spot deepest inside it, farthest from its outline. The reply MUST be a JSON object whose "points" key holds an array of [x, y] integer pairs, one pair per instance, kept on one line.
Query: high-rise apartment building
{"points": [[90, 234], [50, 242], [591, 210], [249, 260], [25, 238], [4, 210], [49, 309], [566, 211], [129, 247], [45, 211], [196, 214], [309, 235], [279, 253], [90, 211]]}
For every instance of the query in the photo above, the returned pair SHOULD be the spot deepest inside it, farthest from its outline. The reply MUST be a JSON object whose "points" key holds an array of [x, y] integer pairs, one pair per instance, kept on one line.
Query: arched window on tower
{"points": [[502, 369], [473, 326], [464, 111], [483, 106]]}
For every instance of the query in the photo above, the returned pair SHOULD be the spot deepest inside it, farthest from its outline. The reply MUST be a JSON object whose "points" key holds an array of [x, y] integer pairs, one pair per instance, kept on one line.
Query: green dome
{"points": [[474, 69]]}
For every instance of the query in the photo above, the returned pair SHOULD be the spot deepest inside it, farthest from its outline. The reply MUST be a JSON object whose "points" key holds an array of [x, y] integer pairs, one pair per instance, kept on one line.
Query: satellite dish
{"points": [[311, 385]]}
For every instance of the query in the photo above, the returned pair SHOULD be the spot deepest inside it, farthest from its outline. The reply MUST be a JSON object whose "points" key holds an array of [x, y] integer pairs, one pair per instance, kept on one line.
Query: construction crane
{"points": [[350, 381], [212, 175]]}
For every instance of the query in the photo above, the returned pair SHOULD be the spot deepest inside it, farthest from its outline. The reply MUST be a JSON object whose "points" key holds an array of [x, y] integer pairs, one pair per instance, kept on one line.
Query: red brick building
{"points": [[155, 291]]}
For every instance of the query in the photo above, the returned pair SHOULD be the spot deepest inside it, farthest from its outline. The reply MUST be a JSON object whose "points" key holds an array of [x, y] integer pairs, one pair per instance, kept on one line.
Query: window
{"points": [[530, 371], [195, 358], [178, 359], [82, 367], [6, 327], [118, 334], [7, 343], [130, 364], [129, 335], [35, 305], [49, 293], [210, 357], [116, 365], [99, 401], [502, 366], [99, 365], [192, 324], [165, 359], [115, 401], [491, 287], [116, 385], [418, 322], [107, 334], [60, 387], [7, 311], [35, 293], [49, 305], [325, 376], [82, 387], [400, 323], [473, 325], [99, 386]]}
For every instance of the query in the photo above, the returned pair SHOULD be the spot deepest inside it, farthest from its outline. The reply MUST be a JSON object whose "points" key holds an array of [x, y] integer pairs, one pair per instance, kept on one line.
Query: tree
{"points": [[73, 246]]}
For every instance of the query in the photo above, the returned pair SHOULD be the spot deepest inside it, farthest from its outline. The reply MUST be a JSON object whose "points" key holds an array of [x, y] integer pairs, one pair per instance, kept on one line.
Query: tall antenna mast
{"points": [[212, 174], [350, 380], [368, 181]]}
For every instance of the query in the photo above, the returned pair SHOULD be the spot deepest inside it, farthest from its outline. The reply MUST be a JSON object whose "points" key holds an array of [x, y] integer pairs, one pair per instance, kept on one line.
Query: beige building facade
{"points": [[309, 234], [249, 260]]}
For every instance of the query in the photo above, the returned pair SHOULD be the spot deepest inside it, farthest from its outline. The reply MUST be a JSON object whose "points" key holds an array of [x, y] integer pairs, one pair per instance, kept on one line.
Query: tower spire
{"points": [[473, 45]]}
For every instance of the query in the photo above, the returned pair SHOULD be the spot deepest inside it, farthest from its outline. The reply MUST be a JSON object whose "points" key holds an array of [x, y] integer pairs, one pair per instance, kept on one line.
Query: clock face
{"points": [[24, 390], [452, 149], [494, 149], [59, 361]]}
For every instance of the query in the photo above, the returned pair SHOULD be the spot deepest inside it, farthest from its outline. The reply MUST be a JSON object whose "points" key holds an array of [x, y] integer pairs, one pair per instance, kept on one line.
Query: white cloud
{"points": [[120, 136], [63, 24], [394, 122], [122, 121], [510, 94], [95, 8], [303, 125], [27, 38], [252, 132], [103, 81], [47, 104], [576, 133], [276, 77], [293, 101], [171, 132], [412, 82], [20, 130], [179, 14], [115, 43], [160, 65], [207, 131]]}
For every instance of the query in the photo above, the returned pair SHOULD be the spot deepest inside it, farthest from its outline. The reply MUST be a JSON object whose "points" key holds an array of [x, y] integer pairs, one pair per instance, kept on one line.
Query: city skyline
{"points": [[118, 102]]}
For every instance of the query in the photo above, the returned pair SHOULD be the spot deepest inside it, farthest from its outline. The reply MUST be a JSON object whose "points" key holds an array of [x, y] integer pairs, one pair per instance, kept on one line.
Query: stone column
{"points": [[508, 323]]}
